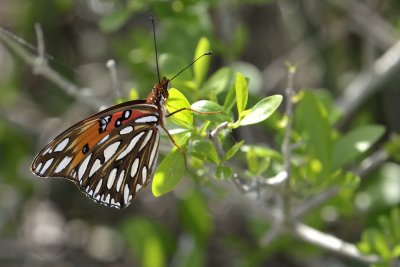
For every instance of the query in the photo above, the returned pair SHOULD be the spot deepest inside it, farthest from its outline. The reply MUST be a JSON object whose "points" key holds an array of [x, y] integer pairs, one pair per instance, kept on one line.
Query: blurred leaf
{"points": [[232, 151], [262, 110], [169, 173], [395, 224], [200, 68], [311, 120], [210, 106], [205, 150], [171, 64], [252, 161], [195, 216], [175, 101], [223, 172], [218, 82], [153, 253], [242, 93], [354, 143], [141, 232], [115, 20]]}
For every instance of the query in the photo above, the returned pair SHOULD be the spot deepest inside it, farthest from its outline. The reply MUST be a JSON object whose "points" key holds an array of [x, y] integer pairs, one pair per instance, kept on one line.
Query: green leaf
{"points": [[175, 101], [241, 93], [311, 120], [218, 82], [353, 144], [262, 110], [230, 99], [169, 173], [200, 68], [204, 149], [232, 151], [252, 161], [115, 20], [223, 172], [218, 114]]}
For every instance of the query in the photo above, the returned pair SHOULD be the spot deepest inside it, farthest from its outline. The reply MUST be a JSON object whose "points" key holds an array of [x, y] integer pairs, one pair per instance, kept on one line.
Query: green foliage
{"points": [[171, 168], [149, 241], [383, 240]]}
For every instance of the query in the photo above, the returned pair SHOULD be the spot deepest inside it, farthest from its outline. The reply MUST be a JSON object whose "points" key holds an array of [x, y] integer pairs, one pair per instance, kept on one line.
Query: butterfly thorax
{"points": [[159, 93]]}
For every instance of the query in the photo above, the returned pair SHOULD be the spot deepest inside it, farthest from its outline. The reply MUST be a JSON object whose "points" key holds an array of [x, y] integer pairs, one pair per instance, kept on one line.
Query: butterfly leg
{"points": [[192, 110], [174, 142]]}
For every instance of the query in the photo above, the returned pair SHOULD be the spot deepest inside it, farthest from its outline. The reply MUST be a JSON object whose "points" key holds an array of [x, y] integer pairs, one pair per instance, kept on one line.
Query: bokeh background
{"points": [[201, 223]]}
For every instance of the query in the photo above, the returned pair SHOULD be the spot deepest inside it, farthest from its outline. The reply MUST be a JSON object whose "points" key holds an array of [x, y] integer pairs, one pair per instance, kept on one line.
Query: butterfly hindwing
{"points": [[110, 155]]}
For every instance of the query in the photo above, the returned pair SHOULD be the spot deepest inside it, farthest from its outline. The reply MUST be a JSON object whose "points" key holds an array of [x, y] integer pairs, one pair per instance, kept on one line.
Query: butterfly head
{"points": [[159, 93]]}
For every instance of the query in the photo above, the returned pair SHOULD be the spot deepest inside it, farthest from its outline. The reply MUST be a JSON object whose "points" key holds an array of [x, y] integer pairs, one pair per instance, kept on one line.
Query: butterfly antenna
{"points": [[155, 47], [188, 66]]}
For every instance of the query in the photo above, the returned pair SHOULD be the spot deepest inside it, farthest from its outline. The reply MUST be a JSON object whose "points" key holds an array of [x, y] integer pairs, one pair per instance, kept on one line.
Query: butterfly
{"points": [[112, 154]]}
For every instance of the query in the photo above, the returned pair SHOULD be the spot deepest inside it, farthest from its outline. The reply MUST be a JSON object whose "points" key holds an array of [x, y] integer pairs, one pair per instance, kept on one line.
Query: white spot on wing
{"points": [[98, 186], [126, 193], [134, 167], [83, 167], [131, 145], [62, 145], [111, 178], [144, 174], [120, 179], [147, 119], [154, 150], [146, 140], [126, 130], [38, 167], [104, 139], [110, 150], [138, 187], [46, 165], [95, 167], [63, 164], [47, 151], [107, 199]]}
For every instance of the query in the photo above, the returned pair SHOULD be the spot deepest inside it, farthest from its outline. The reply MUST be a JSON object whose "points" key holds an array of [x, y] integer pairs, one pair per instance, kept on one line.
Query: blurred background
{"points": [[201, 223]]}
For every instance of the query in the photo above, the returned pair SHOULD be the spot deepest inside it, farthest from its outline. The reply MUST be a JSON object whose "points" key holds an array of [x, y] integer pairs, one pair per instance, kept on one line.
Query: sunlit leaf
{"points": [[218, 113], [169, 173], [177, 100], [241, 92], [262, 110], [153, 253]]}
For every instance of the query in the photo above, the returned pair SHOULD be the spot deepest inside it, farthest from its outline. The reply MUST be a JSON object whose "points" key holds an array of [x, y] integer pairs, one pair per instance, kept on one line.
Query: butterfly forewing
{"points": [[110, 155]]}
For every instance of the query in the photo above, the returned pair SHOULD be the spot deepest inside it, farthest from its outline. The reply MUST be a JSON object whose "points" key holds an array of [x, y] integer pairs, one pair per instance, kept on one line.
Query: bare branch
{"points": [[286, 145], [41, 67], [332, 243], [369, 81]]}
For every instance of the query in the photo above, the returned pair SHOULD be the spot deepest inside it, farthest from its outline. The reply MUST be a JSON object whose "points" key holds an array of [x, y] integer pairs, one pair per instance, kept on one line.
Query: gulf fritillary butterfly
{"points": [[111, 155]]}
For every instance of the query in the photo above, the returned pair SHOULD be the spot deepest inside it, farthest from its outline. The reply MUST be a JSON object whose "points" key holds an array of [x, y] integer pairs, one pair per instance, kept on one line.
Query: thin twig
{"points": [[286, 145], [43, 69], [114, 78]]}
